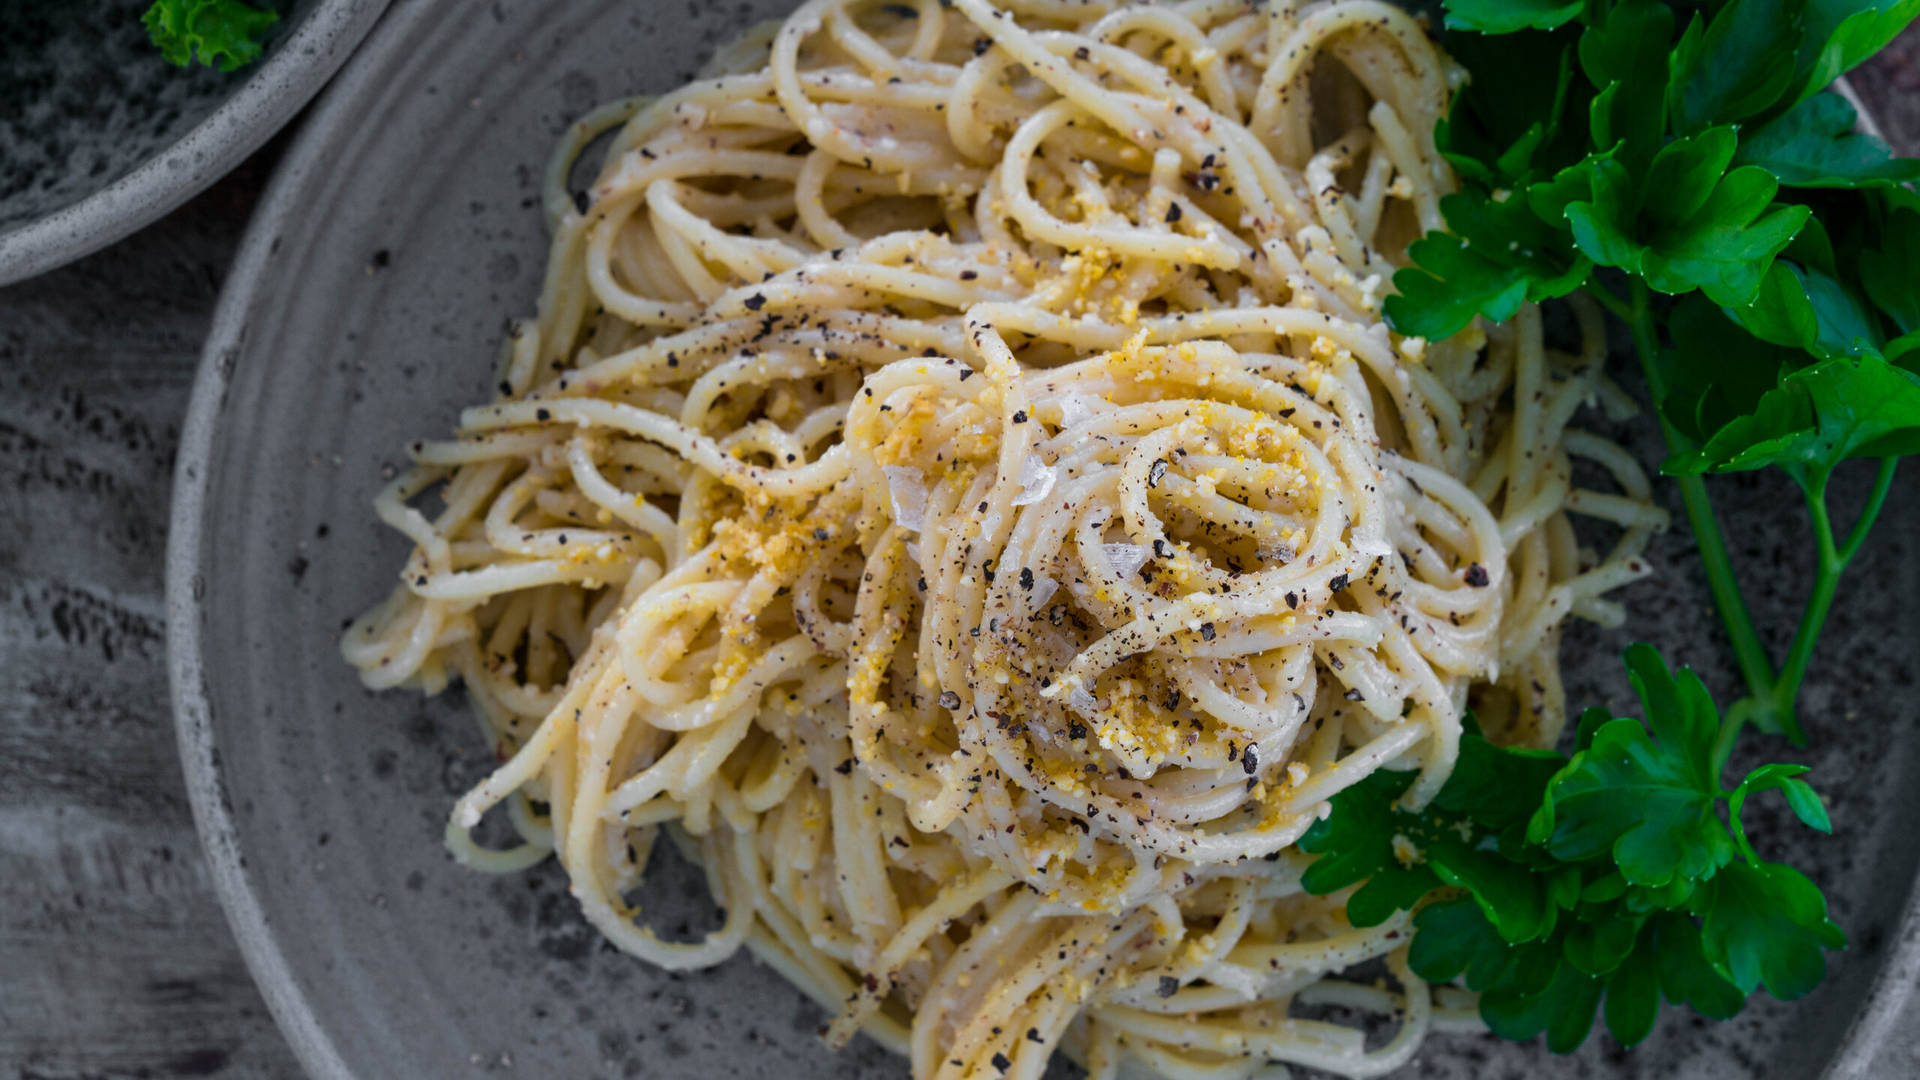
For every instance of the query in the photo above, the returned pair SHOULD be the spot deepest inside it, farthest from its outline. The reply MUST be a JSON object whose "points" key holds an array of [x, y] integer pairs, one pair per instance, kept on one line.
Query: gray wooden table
{"points": [[115, 961]]}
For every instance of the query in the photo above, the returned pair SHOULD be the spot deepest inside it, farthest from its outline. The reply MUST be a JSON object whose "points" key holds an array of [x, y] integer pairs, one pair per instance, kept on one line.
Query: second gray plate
{"points": [[99, 135], [366, 308]]}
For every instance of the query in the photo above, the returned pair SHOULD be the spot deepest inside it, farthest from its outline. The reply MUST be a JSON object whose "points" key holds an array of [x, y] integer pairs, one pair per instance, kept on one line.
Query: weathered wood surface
{"points": [[115, 961]]}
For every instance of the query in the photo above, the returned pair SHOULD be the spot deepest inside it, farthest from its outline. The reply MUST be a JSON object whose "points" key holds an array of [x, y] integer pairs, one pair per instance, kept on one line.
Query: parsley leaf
{"points": [[1686, 973], [226, 34], [1403, 855], [1810, 310], [1625, 55], [1766, 924], [1840, 34], [1799, 795], [1506, 16], [1703, 393], [1724, 251], [1633, 991], [1818, 416], [1690, 225], [1736, 65], [1356, 845], [1563, 1009], [1495, 137], [1890, 273], [1453, 938], [1497, 255], [1814, 144], [1649, 803]]}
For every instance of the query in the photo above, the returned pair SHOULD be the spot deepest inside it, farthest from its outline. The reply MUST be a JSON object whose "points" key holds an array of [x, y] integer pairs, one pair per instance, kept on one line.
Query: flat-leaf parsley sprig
{"points": [[1638, 150], [1621, 875], [226, 34]]}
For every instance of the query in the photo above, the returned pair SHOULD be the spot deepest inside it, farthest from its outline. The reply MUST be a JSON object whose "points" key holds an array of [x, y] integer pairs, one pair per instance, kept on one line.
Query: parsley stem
{"points": [[1755, 668], [1882, 483], [1606, 298], [1832, 563]]}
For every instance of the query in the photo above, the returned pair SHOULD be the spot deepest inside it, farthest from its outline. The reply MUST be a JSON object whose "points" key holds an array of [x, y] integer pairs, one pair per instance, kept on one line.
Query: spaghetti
{"points": [[960, 485]]}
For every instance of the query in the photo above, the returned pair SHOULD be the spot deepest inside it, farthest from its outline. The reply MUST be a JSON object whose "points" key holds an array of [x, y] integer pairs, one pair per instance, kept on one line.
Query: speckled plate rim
{"points": [[207, 791], [291, 75]]}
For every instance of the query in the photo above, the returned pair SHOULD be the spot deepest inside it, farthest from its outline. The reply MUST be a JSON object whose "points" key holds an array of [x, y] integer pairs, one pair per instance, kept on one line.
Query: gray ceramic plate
{"points": [[366, 308], [99, 135]]}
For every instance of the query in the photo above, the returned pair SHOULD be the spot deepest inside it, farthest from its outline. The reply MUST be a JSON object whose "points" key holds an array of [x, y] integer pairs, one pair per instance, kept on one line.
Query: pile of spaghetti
{"points": [[960, 485]]}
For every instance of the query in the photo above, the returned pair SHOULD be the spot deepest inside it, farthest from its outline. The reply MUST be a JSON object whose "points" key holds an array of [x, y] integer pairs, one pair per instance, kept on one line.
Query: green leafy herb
{"points": [[226, 34], [1552, 885], [1819, 416], [1401, 856], [1634, 148], [1645, 799], [1629, 149], [1814, 144], [1692, 224], [1506, 16], [1842, 34], [1498, 255], [1890, 271], [1766, 924]]}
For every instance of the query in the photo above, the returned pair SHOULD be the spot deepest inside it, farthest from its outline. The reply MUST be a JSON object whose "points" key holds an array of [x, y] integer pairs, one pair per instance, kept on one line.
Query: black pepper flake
{"points": [[968, 275], [1477, 576], [1082, 53], [1033, 1035], [1250, 760], [1206, 631], [965, 374], [844, 767], [1156, 472], [1353, 695], [1076, 730], [921, 584], [1293, 600], [1000, 1061], [1169, 986], [1020, 416], [1339, 582], [756, 302], [1026, 578], [949, 699], [542, 414], [980, 45], [821, 534], [1173, 213], [1057, 614], [1173, 700]]}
